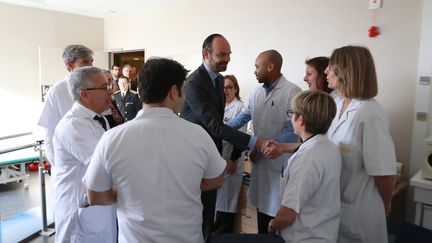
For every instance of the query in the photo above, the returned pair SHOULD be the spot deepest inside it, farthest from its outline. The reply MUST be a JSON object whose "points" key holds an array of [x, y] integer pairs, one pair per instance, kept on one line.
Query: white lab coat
{"points": [[269, 119], [75, 139], [57, 103], [227, 195], [310, 187], [367, 150]]}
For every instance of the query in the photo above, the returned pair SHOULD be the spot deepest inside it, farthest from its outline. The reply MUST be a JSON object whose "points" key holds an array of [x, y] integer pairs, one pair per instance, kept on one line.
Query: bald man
{"points": [[267, 108]]}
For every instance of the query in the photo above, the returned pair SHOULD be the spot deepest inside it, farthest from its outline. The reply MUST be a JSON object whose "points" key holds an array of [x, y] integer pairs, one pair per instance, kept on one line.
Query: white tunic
{"points": [[157, 162], [57, 103], [362, 135], [75, 139], [269, 119], [310, 187], [227, 195]]}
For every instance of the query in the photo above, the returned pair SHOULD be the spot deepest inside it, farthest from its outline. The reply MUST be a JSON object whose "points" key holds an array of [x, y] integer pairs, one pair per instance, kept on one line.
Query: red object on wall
{"points": [[373, 31]]}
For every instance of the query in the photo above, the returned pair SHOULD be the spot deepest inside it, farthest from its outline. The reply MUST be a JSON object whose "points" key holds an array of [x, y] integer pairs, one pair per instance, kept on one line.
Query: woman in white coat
{"points": [[309, 186], [361, 131], [227, 195]]}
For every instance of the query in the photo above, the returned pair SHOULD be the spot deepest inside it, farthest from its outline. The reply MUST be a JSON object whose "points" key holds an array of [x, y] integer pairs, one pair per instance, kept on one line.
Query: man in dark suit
{"points": [[127, 100], [204, 105]]}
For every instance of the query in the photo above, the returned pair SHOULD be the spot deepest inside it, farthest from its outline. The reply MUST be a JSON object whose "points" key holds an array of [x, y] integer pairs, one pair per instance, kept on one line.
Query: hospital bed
{"points": [[12, 162]]}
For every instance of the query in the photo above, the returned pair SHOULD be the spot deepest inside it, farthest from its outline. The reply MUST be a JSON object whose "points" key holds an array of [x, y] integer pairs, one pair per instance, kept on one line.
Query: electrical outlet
{"points": [[375, 4]]}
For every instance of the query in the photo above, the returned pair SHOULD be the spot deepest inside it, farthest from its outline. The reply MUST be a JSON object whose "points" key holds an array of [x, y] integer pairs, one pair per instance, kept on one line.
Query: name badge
{"points": [[343, 148]]}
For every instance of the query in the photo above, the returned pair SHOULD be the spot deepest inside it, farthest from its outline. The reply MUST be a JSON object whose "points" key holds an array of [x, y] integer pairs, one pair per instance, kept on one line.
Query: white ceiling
{"points": [[92, 8]]}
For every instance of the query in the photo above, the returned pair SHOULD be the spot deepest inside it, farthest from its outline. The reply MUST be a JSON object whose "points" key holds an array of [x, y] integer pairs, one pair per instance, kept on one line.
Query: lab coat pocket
{"points": [[349, 157], [97, 224], [349, 189], [277, 114]]}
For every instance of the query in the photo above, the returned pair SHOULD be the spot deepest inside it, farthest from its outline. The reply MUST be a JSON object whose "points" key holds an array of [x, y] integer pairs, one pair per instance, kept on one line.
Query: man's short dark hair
{"points": [[157, 77], [114, 65], [207, 44]]}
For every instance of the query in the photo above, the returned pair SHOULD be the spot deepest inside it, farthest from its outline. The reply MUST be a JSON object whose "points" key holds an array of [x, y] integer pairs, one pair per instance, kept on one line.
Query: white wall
{"points": [[297, 29], [22, 31]]}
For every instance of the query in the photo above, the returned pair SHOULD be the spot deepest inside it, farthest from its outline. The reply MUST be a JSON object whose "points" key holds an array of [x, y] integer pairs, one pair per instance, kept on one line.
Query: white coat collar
{"points": [[82, 111], [154, 112], [306, 145], [232, 103], [354, 105], [311, 141], [281, 82]]}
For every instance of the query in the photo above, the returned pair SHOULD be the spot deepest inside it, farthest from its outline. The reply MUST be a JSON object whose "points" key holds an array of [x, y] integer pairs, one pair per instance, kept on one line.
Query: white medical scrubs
{"points": [[362, 135], [228, 194], [310, 187], [75, 139], [157, 162]]}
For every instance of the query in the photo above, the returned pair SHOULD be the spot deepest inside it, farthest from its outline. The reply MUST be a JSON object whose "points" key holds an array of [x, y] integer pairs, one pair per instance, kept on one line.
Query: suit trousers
{"points": [[263, 222], [208, 200]]}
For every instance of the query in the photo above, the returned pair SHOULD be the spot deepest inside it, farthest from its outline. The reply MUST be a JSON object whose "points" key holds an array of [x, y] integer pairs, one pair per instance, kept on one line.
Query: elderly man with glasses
{"points": [[75, 139]]}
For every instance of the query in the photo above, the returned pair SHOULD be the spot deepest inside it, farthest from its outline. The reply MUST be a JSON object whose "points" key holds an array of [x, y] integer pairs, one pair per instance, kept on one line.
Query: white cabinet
{"points": [[423, 199]]}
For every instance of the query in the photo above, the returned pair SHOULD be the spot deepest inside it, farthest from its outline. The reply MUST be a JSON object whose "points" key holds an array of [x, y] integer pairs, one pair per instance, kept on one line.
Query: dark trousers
{"points": [[263, 222], [208, 200], [224, 223]]}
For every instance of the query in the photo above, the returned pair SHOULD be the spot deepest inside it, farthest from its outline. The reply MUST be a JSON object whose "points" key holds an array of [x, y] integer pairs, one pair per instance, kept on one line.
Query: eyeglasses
{"points": [[107, 88], [228, 87], [290, 113]]}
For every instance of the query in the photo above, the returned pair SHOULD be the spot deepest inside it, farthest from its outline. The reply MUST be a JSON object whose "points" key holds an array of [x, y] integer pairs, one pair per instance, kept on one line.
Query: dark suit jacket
{"points": [[203, 107], [129, 105]]}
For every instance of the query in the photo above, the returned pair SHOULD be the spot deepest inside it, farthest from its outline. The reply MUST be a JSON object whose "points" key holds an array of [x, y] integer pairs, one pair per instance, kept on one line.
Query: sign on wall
{"points": [[44, 91]]}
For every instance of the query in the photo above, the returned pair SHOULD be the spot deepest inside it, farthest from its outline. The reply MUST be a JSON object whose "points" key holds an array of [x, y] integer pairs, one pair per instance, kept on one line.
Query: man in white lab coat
{"points": [[156, 165], [75, 138], [267, 107], [58, 100]]}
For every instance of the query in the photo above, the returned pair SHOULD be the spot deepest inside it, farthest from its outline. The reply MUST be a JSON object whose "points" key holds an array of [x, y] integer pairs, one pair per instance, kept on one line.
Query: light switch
{"points": [[375, 4]]}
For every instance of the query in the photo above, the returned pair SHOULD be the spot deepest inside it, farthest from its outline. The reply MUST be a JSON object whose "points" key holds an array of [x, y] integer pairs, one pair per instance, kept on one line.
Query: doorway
{"points": [[135, 58]]}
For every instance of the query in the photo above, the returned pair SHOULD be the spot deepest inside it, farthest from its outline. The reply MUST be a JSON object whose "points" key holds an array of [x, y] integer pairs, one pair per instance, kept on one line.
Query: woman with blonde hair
{"points": [[361, 131]]}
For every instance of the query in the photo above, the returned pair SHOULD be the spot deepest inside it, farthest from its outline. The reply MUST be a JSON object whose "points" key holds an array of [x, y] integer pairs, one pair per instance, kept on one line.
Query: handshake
{"points": [[272, 149]]}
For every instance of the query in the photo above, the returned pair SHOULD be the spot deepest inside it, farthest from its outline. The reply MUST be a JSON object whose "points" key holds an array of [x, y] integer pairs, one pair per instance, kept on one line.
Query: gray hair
{"points": [[80, 79], [72, 52]]}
